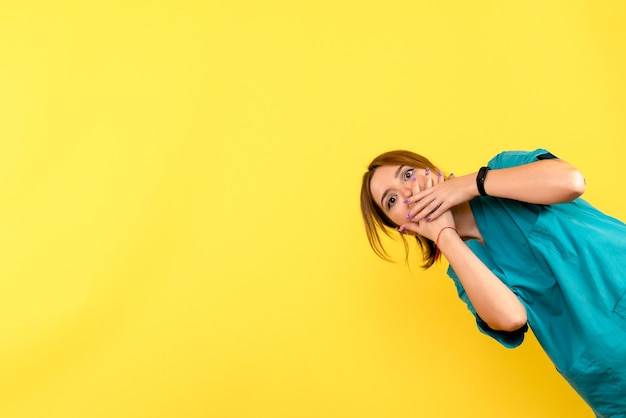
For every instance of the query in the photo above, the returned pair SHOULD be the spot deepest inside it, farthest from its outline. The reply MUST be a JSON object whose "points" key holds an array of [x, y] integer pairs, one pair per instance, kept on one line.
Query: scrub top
{"points": [[566, 262]]}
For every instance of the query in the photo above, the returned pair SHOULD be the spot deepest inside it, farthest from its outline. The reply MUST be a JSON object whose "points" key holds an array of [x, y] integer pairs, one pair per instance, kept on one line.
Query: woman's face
{"points": [[391, 185]]}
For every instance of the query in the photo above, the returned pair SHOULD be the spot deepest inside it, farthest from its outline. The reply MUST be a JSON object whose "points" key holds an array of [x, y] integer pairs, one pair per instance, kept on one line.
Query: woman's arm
{"points": [[542, 182], [493, 301]]}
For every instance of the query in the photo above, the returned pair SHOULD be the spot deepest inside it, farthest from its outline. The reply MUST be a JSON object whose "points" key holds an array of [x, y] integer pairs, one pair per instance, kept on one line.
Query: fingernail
{"points": [[440, 174], [406, 202], [451, 175], [401, 229], [428, 219], [408, 215], [414, 218], [413, 178], [427, 171]]}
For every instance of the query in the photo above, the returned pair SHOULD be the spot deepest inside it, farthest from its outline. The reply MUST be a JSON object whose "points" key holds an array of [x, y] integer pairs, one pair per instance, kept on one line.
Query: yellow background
{"points": [[180, 233]]}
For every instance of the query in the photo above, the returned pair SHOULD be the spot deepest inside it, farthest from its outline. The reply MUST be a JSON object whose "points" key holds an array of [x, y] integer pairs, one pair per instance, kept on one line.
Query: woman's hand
{"points": [[440, 196], [543, 182], [428, 229]]}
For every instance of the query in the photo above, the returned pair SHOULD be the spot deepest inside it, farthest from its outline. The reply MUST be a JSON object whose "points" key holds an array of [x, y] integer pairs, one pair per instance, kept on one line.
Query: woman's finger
{"points": [[415, 187], [429, 178], [410, 228]]}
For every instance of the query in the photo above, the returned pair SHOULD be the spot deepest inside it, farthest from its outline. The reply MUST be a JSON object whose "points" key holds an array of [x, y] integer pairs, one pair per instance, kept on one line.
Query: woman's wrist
{"points": [[469, 185], [445, 235], [480, 180]]}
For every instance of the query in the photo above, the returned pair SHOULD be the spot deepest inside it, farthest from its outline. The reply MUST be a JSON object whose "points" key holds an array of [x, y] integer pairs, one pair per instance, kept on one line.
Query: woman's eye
{"points": [[391, 201], [408, 174]]}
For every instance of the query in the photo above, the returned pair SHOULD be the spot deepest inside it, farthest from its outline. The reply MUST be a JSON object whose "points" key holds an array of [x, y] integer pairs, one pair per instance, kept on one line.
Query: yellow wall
{"points": [[179, 229]]}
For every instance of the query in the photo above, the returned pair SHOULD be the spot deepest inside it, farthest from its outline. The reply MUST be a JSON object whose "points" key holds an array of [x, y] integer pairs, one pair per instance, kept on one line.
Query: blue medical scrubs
{"points": [[567, 264]]}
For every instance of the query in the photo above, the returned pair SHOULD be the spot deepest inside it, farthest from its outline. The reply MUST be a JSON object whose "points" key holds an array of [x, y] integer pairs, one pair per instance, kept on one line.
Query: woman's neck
{"points": [[465, 222]]}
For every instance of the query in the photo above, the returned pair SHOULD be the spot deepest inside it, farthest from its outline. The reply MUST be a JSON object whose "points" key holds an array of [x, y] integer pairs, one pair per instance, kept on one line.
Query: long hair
{"points": [[375, 220]]}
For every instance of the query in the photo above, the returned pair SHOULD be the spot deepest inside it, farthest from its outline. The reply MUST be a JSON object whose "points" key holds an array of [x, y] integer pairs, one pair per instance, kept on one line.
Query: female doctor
{"points": [[524, 250]]}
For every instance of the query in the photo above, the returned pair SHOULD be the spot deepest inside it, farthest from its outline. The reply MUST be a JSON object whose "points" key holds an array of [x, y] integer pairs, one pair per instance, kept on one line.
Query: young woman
{"points": [[524, 250]]}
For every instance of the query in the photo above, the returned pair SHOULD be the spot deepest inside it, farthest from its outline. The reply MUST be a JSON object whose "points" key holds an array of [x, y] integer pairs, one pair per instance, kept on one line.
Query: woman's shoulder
{"points": [[514, 158]]}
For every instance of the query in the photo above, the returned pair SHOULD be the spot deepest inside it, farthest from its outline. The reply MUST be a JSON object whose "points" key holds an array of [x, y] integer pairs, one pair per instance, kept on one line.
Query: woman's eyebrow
{"points": [[395, 176]]}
